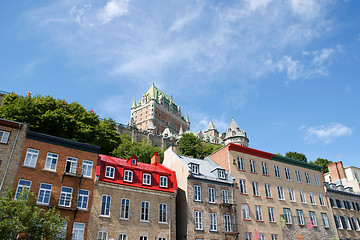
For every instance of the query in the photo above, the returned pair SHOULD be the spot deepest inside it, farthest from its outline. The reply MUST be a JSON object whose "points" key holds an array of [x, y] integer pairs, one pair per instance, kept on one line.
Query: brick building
{"points": [[276, 197], [205, 204], [346, 176], [61, 174], [133, 200], [12, 138]]}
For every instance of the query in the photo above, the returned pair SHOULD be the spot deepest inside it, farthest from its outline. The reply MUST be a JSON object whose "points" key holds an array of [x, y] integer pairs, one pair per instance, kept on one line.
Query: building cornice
{"points": [[296, 162], [247, 150]]}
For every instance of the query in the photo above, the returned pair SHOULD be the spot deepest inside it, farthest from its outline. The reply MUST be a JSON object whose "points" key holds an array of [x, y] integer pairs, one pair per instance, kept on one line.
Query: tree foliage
{"points": [[323, 163], [60, 118], [296, 156], [22, 219]]}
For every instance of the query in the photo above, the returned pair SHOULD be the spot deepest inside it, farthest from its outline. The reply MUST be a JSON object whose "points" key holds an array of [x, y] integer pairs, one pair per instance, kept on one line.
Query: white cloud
{"points": [[257, 4], [325, 133], [113, 9], [180, 23], [307, 8]]}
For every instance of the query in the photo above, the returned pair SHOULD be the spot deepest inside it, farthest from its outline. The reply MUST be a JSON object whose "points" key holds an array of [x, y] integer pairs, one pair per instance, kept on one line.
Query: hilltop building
{"points": [[156, 112], [235, 135]]}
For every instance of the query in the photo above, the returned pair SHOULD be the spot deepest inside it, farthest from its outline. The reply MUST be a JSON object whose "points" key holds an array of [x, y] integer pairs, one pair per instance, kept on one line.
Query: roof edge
{"points": [[251, 151], [296, 162]]}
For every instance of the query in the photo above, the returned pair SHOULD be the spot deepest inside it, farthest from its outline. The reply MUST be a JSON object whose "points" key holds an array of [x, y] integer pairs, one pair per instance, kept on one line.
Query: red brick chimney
{"points": [[155, 158], [336, 171]]}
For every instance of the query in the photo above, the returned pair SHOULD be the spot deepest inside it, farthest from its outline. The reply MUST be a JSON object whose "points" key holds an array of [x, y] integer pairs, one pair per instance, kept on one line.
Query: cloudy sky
{"points": [[286, 71]]}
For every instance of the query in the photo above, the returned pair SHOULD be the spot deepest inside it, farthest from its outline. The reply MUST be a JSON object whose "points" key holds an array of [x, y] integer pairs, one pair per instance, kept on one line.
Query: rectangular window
{"points": [[261, 236], [354, 220], [44, 193], [277, 171], [102, 235], [197, 193], [242, 186], [247, 236], [227, 222], [312, 198], [71, 165], [83, 199], [51, 161], [298, 176], [264, 168], [146, 179], [346, 223], [4, 136], [240, 163], [281, 193], [162, 213], [128, 176], [291, 195], [312, 217], [252, 166], [307, 177], [198, 220], [302, 196], [300, 217], [325, 220], [194, 168], [65, 196], [267, 190], [142, 237], [317, 180], [86, 170], [245, 211], [110, 172], [225, 196], [163, 181], [321, 199], [255, 186], [221, 173], [125, 207], [338, 222], [287, 174], [211, 195], [144, 216], [274, 237], [213, 222], [271, 214], [23, 184], [123, 236], [78, 231], [31, 157], [287, 216], [105, 205], [258, 213]]}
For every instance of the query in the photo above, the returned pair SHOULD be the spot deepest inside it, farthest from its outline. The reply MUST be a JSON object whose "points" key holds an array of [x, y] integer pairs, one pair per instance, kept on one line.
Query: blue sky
{"points": [[287, 71]]}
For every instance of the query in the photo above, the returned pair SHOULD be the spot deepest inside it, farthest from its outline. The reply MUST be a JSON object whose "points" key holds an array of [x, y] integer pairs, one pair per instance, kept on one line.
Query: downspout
{"points": [[12, 151], [171, 196]]}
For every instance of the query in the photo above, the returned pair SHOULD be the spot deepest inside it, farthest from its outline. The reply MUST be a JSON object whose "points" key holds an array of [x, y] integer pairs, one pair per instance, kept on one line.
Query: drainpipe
{"points": [[171, 196], [12, 151]]}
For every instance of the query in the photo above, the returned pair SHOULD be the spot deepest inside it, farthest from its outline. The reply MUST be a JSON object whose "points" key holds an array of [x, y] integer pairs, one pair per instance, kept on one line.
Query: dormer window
{"points": [[110, 172], [133, 161], [163, 181], [194, 168], [221, 173], [146, 179], [128, 176]]}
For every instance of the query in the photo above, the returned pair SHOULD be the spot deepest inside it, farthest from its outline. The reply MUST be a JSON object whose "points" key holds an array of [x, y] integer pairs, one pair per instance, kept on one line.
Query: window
{"points": [[321, 199], [302, 196], [21, 185], [194, 168], [198, 220], [271, 214], [83, 199], [110, 172], [128, 176], [142, 237], [338, 222], [291, 195], [221, 173], [242, 186], [70, 165], [133, 161], [317, 180], [163, 181], [298, 176], [65, 196], [146, 179], [267, 190], [213, 222], [264, 168], [300, 217], [312, 217], [281, 193], [312, 198], [87, 168], [247, 236], [341, 203], [78, 231], [227, 222], [44, 193], [4, 136], [162, 213], [255, 186], [161, 238], [307, 177], [51, 161], [245, 211], [225, 196], [125, 207], [354, 220], [287, 216], [144, 216], [240, 163], [62, 233], [197, 193], [258, 213], [211, 195], [102, 235], [287, 174], [277, 171], [105, 205], [123, 236], [261, 236], [31, 157], [252, 166], [325, 220], [274, 237], [346, 222]]}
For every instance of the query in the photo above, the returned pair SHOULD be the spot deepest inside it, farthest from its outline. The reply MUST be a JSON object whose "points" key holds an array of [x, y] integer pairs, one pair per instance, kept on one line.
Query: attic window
{"points": [[133, 161], [194, 168], [233, 133], [221, 173]]}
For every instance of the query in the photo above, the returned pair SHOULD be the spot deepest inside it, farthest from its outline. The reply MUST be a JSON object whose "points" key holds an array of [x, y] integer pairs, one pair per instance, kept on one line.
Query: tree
{"points": [[296, 156], [323, 163], [22, 219], [190, 145]]}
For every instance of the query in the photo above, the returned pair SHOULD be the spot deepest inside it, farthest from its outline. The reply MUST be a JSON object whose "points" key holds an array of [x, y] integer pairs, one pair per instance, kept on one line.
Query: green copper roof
{"points": [[296, 162]]}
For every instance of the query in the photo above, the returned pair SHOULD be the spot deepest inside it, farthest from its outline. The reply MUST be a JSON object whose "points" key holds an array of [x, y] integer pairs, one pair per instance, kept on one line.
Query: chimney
{"points": [[337, 171], [341, 170], [155, 158]]}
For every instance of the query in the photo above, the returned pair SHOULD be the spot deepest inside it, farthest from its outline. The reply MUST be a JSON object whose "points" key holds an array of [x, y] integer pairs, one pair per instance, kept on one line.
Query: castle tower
{"points": [[235, 135]]}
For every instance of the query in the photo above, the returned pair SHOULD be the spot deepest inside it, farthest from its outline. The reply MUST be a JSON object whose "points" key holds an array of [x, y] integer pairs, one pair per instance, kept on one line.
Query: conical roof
{"points": [[211, 126], [181, 131], [234, 130], [187, 118], [134, 104]]}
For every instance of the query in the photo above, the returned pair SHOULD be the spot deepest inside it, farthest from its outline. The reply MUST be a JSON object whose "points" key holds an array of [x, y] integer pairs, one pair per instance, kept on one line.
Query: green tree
{"points": [[323, 163], [296, 156], [190, 145], [22, 219]]}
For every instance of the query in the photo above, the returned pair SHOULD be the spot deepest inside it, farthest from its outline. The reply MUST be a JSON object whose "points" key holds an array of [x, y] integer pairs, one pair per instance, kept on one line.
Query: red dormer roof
{"points": [[156, 170]]}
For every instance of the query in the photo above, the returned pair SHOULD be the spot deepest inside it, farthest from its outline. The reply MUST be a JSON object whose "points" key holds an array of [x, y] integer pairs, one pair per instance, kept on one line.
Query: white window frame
{"points": [[302, 196], [110, 172], [326, 223], [252, 166], [102, 235], [212, 195], [162, 213], [271, 214], [105, 205], [128, 176], [225, 196], [292, 195], [322, 200], [49, 163], [197, 193], [240, 164], [317, 180], [227, 223], [268, 190], [4, 136], [65, 196], [245, 211], [258, 213], [287, 174], [347, 220], [221, 173], [213, 222], [125, 209], [265, 168], [23, 183], [163, 181], [31, 157], [143, 237], [195, 168], [312, 217], [44, 193], [287, 216], [122, 236], [338, 220], [248, 236], [146, 179], [144, 211], [198, 220], [307, 177], [86, 169], [83, 199], [281, 193], [73, 164], [312, 198], [277, 171], [78, 231], [300, 216], [274, 237], [242, 185], [298, 176], [255, 187]]}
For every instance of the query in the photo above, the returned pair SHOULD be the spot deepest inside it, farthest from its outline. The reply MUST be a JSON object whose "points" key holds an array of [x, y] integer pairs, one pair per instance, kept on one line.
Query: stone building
{"points": [[235, 135], [12, 138], [346, 176], [61, 174], [205, 201], [276, 197], [133, 200], [156, 111], [345, 207]]}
